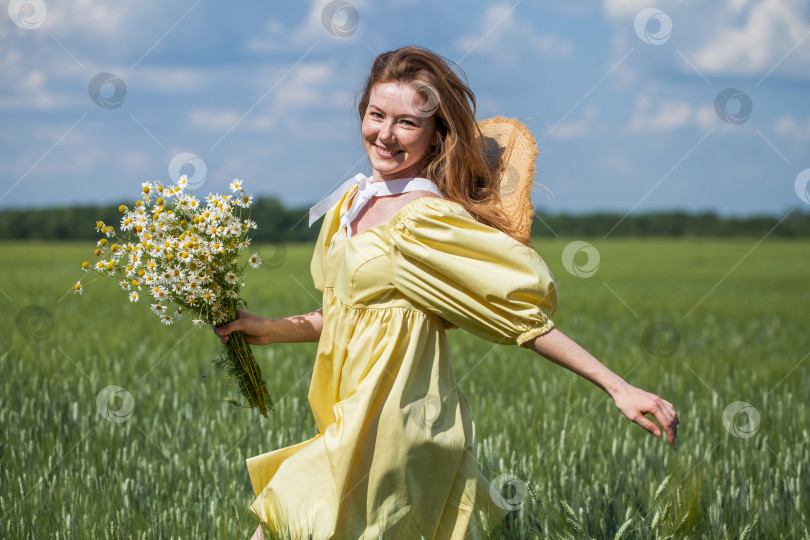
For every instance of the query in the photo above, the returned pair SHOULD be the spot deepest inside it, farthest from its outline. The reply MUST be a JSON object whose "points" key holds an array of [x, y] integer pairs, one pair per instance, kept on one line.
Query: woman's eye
{"points": [[375, 115], [407, 122]]}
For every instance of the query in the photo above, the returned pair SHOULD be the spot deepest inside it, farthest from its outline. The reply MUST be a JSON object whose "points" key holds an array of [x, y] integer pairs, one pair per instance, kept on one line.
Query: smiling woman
{"points": [[395, 455]]}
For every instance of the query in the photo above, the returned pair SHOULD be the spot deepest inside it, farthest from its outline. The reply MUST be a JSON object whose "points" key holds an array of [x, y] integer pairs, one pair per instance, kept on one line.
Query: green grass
{"points": [[175, 467]]}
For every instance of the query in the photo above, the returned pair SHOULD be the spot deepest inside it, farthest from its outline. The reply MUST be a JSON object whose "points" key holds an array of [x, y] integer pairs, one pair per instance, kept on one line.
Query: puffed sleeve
{"points": [[470, 274]]}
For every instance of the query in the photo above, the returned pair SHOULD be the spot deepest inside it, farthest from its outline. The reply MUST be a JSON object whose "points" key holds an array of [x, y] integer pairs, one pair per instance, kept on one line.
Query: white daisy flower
{"points": [[133, 296], [198, 322], [160, 293], [158, 309], [78, 288], [124, 285], [178, 313], [255, 260], [209, 296], [236, 185], [231, 278], [244, 201], [183, 181], [232, 295], [166, 319]]}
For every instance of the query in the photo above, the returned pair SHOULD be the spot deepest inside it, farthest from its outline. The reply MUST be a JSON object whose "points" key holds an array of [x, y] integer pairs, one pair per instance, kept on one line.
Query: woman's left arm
{"points": [[633, 402]]}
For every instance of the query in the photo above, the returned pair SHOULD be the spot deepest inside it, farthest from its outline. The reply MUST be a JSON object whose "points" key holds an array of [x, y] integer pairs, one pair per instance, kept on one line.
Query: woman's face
{"points": [[397, 134]]}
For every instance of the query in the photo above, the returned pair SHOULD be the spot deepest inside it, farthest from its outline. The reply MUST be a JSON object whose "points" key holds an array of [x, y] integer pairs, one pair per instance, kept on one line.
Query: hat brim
{"points": [[511, 152]]}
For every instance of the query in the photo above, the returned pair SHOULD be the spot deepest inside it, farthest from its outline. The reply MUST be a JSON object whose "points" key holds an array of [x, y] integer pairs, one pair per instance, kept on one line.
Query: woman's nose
{"points": [[387, 132]]}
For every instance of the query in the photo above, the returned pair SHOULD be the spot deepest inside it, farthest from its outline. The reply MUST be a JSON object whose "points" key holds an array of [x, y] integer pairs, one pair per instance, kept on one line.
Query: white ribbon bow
{"points": [[367, 189]]}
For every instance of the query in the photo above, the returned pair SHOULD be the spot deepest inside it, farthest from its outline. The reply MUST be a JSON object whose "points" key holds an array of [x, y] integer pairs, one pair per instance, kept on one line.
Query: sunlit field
{"points": [[719, 328]]}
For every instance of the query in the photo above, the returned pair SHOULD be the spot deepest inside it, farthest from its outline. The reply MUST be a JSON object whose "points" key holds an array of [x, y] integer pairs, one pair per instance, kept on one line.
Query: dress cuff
{"points": [[529, 335]]}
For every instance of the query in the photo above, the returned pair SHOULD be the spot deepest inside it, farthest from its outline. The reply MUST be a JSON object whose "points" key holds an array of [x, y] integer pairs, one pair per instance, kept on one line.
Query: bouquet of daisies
{"points": [[185, 253]]}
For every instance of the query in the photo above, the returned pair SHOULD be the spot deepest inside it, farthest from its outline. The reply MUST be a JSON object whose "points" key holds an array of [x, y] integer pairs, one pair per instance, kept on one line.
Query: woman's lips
{"points": [[386, 154]]}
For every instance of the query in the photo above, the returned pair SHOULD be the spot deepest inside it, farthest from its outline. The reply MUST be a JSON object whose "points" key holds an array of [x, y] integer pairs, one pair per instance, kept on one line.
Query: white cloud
{"points": [[311, 30], [275, 39], [788, 126], [212, 119], [618, 163], [769, 30], [502, 32], [572, 129], [651, 114], [177, 80], [307, 85], [100, 19], [724, 38]]}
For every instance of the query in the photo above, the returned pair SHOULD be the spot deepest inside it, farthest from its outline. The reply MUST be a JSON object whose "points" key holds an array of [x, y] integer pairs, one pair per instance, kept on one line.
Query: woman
{"points": [[418, 247]]}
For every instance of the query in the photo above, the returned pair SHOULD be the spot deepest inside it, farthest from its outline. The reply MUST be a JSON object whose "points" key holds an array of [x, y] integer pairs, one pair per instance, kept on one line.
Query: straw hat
{"points": [[510, 153]]}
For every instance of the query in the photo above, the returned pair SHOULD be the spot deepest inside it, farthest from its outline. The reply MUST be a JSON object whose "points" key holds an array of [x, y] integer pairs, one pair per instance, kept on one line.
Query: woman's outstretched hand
{"points": [[254, 327], [635, 403]]}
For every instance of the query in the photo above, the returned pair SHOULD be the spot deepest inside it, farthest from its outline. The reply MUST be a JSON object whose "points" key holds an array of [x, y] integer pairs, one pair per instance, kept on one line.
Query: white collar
{"points": [[367, 189]]}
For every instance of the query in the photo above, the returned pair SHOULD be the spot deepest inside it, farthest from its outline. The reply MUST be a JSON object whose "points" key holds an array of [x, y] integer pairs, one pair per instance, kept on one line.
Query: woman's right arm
{"points": [[261, 331]]}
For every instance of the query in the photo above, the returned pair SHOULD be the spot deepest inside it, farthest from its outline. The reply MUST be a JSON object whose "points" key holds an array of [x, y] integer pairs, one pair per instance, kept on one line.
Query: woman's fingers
{"points": [[648, 425], [223, 331], [665, 413], [636, 404]]}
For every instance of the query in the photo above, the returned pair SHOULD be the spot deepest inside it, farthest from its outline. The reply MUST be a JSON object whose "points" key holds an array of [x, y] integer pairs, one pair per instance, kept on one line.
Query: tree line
{"points": [[278, 223]]}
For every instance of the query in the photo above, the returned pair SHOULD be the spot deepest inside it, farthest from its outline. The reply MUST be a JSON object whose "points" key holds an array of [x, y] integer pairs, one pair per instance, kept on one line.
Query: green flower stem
{"points": [[239, 364], [244, 369]]}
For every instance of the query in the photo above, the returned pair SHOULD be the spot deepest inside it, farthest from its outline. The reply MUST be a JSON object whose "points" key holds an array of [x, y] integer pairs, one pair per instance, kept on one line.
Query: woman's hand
{"points": [[635, 403], [261, 331], [255, 328]]}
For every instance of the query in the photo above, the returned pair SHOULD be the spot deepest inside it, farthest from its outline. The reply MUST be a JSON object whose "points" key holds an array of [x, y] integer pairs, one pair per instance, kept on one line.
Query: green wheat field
{"points": [[714, 326]]}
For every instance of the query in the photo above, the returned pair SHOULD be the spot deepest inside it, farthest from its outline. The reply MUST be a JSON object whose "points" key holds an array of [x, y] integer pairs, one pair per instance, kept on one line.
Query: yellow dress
{"points": [[394, 453]]}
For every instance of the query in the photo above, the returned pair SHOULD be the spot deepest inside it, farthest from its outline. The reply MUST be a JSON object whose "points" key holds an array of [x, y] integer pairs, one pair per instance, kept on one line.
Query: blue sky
{"points": [[626, 98]]}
